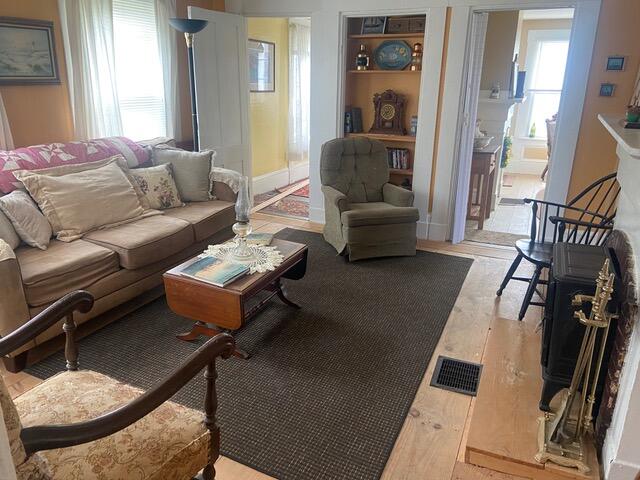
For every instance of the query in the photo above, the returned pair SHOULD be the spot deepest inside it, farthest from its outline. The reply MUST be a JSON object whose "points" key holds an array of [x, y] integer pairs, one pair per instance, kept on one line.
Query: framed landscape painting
{"points": [[27, 52]]}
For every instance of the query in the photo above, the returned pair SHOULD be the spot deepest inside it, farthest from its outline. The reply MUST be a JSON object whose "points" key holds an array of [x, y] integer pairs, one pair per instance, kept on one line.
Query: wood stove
{"points": [[573, 271]]}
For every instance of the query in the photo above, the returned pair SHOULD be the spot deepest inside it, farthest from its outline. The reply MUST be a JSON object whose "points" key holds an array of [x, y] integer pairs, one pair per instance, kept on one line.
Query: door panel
{"points": [[222, 88]]}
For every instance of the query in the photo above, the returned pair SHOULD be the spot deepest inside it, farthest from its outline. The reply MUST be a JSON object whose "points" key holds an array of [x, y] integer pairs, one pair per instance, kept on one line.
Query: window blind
{"points": [[138, 69]]}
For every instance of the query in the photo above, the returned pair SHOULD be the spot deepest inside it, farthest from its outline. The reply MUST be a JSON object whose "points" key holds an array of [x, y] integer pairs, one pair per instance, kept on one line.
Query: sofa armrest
{"points": [[397, 196], [222, 191], [335, 198], [225, 183], [14, 311]]}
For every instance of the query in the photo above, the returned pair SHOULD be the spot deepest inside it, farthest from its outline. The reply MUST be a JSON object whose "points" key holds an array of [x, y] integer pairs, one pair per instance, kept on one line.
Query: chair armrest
{"points": [[580, 223], [59, 436], [335, 197], [79, 300], [398, 196], [564, 206], [14, 311]]}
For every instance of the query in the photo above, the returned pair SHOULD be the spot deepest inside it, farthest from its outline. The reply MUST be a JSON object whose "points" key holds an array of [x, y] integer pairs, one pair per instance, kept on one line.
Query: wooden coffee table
{"points": [[215, 309]]}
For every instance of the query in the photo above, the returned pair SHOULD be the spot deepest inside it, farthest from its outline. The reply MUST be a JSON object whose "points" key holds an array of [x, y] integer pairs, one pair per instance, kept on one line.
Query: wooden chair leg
{"points": [[509, 275], [531, 289]]}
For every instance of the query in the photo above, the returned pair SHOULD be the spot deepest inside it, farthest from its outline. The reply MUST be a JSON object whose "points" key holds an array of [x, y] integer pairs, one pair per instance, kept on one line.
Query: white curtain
{"points": [[6, 140], [87, 28], [167, 44], [299, 90]]}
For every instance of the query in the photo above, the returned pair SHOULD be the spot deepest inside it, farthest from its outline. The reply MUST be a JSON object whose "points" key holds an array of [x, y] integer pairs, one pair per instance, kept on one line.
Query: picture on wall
{"points": [[262, 69], [27, 52]]}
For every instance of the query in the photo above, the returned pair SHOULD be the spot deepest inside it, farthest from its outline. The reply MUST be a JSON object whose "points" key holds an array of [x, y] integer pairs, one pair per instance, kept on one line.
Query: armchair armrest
{"points": [[59, 436], [398, 196], [336, 198], [14, 311], [79, 300]]}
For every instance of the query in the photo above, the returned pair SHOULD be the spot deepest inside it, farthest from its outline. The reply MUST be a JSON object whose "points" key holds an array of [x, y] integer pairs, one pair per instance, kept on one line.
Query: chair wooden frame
{"points": [[555, 222], [48, 437]]}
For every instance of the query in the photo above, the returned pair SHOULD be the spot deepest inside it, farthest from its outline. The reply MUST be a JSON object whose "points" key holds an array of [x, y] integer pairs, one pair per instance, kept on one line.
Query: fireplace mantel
{"points": [[620, 451]]}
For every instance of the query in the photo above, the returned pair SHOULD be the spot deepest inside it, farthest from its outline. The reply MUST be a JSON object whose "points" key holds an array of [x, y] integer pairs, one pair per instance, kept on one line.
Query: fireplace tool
{"points": [[563, 437]]}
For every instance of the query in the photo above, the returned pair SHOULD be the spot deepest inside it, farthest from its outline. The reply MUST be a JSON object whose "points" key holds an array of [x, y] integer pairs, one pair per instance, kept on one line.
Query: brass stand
{"points": [[563, 437]]}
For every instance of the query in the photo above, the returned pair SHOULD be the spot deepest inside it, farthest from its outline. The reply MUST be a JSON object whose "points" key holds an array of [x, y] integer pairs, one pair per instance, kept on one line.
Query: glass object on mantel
{"points": [[242, 253]]}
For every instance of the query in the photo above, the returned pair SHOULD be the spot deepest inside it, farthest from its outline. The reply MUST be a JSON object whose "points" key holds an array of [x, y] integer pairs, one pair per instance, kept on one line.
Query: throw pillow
{"points": [[190, 169], [83, 167], [80, 202], [30, 225], [158, 186], [7, 232]]}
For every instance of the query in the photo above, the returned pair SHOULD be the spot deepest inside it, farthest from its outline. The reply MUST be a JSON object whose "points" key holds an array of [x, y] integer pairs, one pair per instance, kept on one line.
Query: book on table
{"points": [[214, 271], [262, 239]]}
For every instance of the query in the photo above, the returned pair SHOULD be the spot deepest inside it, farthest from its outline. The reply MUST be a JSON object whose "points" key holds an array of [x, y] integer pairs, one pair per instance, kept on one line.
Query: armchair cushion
{"points": [[170, 442], [378, 213]]}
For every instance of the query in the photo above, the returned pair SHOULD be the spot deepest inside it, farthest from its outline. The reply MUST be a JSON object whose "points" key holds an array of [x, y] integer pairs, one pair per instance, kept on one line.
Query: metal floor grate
{"points": [[456, 375]]}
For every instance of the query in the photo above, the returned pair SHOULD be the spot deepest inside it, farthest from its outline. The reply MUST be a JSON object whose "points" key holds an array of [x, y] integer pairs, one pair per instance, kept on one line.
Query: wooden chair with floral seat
{"points": [[85, 425]]}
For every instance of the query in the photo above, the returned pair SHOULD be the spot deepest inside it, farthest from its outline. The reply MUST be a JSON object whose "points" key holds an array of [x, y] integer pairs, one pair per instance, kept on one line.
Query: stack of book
{"points": [[353, 120], [398, 158]]}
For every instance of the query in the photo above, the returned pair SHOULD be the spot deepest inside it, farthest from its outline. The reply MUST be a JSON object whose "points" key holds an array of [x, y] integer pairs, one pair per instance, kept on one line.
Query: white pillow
{"points": [[7, 232], [31, 226]]}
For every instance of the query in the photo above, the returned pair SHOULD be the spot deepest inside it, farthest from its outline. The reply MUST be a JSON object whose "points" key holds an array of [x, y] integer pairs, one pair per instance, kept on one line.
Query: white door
{"points": [[468, 116], [222, 88]]}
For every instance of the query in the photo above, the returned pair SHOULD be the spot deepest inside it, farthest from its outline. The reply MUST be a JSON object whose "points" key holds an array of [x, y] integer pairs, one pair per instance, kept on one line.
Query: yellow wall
{"points": [[38, 113], [269, 111], [617, 35], [42, 113], [498, 49]]}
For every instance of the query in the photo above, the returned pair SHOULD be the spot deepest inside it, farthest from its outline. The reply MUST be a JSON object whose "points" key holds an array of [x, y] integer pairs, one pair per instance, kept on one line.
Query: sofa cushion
{"points": [[158, 186], [190, 169], [49, 274], [170, 442], [207, 218], [8, 232], [30, 225], [378, 213], [145, 241]]}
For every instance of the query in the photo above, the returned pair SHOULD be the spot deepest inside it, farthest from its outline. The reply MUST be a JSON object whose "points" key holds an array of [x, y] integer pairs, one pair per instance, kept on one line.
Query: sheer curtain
{"points": [[299, 90], [87, 28], [6, 140], [167, 44]]}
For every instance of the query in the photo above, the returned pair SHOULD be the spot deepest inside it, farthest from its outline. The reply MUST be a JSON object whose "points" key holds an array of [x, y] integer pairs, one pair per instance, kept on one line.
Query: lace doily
{"points": [[267, 257]]}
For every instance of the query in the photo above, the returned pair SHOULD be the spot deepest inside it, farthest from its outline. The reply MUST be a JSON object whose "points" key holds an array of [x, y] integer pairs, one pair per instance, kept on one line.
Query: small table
{"points": [[216, 309], [483, 167]]}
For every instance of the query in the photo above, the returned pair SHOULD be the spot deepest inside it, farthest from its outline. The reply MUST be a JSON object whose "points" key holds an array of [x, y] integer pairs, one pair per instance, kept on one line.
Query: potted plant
{"points": [[633, 113]]}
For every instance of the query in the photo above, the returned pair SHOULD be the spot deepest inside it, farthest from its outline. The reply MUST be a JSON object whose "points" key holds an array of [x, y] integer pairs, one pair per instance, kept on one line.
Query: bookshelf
{"points": [[361, 85]]}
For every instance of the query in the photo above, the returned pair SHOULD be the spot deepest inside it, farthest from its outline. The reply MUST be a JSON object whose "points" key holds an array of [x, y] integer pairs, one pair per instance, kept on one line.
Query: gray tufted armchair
{"points": [[365, 215]]}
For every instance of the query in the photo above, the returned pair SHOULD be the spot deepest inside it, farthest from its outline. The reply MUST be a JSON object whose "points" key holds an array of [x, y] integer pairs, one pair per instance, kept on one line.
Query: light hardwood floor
{"points": [[432, 440]]}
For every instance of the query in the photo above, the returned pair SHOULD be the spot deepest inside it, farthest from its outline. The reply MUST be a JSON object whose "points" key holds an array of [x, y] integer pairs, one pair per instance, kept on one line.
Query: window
{"points": [[138, 66], [546, 62]]}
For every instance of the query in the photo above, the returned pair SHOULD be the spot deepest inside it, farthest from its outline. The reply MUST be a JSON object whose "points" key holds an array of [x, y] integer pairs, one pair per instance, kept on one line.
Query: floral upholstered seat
{"points": [[169, 443]]}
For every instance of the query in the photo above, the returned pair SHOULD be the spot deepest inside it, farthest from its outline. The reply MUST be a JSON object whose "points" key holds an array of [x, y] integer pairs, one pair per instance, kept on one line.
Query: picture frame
{"points": [[607, 89], [373, 25], [262, 62], [27, 52], [616, 63]]}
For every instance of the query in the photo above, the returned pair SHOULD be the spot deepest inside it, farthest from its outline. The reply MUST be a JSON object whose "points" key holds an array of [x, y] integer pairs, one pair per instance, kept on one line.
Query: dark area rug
{"points": [[328, 387]]}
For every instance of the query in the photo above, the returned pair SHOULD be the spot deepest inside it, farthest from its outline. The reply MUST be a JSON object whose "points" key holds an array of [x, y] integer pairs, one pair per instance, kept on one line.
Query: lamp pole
{"points": [[191, 26]]}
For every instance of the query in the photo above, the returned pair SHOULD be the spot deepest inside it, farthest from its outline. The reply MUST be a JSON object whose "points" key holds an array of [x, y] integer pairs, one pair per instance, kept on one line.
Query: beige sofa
{"points": [[121, 267]]}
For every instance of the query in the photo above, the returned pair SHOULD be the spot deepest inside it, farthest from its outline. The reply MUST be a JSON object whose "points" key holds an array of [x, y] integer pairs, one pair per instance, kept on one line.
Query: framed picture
{"points": [[27, 52], [615, 63], [373, 24], [262, 66], [607, 89]]}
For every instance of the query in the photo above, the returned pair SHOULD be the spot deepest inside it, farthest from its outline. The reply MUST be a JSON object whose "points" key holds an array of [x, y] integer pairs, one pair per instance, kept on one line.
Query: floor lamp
{"points": [[191, 26]]}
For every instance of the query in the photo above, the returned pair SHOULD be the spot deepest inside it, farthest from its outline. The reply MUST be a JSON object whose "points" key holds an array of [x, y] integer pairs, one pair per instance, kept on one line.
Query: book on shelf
{"points": [[214, 271], [398, 158], [352, 119], [262, 239]]}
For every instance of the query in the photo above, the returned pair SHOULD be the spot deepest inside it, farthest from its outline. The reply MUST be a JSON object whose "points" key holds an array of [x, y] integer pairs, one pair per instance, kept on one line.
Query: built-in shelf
{"points": [[361, 72], [400, 171], [364, 36], [385, 137]]}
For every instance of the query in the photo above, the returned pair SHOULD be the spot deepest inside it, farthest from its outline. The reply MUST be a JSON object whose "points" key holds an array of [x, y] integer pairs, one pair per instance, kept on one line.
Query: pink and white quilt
{"points": [[54, 154]]}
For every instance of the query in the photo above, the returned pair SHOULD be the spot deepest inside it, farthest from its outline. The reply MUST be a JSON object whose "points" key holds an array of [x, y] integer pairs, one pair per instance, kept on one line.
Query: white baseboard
{"points": [[438, 232], [526, 166], [270, 181], [300, 172], [422, 229]]}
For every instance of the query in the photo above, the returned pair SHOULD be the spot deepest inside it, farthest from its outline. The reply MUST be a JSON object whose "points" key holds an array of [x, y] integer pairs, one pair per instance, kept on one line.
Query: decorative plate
{"points": [[392, 55]]}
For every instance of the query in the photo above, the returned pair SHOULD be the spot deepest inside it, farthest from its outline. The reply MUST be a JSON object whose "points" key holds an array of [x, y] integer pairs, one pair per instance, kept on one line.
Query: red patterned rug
{"points": [[301, 192], [289, 206]]}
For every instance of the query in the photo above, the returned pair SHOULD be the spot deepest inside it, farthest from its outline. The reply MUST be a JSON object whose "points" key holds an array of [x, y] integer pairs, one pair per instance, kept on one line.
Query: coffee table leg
{"points": [[282, 296], [206, 329]]}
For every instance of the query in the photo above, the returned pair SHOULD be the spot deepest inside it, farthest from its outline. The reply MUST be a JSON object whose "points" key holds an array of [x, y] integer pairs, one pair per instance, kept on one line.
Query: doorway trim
{"points": [[582, 39]]}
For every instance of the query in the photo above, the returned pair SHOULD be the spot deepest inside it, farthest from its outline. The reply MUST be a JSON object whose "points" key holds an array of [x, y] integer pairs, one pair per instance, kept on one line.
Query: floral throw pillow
{"points": [[158, 186]]}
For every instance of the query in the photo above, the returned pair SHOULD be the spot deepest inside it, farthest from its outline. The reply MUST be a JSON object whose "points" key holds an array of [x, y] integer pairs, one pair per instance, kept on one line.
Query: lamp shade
{"points": [[187, 25]]}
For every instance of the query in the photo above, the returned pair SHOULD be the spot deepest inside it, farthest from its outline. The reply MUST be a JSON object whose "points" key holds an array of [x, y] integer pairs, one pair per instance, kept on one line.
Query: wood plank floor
{"points": [[431, 443]]}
